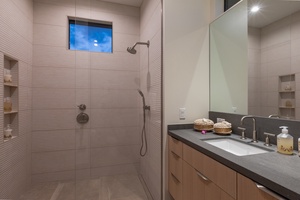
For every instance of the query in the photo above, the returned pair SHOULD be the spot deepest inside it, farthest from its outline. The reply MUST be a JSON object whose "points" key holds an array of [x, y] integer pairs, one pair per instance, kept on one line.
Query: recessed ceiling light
{"points": [[255, 9]]}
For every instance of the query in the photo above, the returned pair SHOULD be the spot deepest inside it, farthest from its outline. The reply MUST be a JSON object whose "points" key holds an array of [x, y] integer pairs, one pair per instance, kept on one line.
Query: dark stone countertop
{"points": [[279, 173]]}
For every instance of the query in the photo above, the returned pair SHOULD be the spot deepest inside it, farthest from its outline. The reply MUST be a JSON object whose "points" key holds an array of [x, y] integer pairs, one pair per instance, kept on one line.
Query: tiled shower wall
{"points": [[150, 73], [16, 21], [107, 83], [279, 55]]}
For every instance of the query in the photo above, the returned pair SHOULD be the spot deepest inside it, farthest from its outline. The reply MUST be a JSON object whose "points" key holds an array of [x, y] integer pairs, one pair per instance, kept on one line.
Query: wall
{"points": [[186, 63], [150, 74], [106, 83], [16, 21]]}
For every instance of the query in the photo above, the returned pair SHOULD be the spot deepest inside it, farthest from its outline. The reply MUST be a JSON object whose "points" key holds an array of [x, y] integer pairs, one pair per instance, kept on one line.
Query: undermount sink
{"points": [[236, 147]]}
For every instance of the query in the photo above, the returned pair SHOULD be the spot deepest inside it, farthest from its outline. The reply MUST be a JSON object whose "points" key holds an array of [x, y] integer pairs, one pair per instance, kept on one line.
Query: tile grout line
{"points": [[57, 191]]}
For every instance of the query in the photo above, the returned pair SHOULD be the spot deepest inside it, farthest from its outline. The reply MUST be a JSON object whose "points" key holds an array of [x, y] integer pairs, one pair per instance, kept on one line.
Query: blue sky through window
{"points": [[90, 36]]}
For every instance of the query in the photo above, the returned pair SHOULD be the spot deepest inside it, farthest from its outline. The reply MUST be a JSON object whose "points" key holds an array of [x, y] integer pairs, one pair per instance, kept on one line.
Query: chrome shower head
{"points": [[133, 51]]}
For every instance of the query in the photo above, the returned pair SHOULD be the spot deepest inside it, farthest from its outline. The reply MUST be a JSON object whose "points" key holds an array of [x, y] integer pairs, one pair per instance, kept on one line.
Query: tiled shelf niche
{"points": [[11, 90], [287, 101]]}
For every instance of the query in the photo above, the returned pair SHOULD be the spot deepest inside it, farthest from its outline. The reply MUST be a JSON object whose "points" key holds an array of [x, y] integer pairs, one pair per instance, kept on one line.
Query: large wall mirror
{"points": [[255, 59]]}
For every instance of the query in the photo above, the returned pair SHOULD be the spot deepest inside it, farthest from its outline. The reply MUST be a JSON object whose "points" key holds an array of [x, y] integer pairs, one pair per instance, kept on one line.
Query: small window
{"points": [[90, 36]]}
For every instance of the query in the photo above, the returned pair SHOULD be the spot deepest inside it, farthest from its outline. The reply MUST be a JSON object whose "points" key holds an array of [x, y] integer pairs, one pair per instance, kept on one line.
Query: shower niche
{"points": [[10, 98]]}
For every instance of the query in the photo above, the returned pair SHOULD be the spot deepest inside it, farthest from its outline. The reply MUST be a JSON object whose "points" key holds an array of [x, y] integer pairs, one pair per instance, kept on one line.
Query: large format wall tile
{"points": [[49, 98], [55, 161], [53, 140], [107, 156], [48, 77], [53, 119], [105, 137], [102, 118], [104, 79]]}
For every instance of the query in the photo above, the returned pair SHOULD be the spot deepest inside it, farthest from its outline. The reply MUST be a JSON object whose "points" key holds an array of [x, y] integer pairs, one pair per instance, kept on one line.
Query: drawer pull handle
{"points": [[175, 154], [175, 178], [266, 190], [202, 176]]}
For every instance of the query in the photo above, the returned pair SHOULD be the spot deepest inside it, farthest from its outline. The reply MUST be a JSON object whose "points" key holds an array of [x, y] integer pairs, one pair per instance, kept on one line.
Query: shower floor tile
{"points": [[121, 187]]}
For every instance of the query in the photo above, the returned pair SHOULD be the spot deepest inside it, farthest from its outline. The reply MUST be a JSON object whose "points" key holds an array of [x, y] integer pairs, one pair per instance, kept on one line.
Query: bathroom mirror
{"points": [[255, 59]]}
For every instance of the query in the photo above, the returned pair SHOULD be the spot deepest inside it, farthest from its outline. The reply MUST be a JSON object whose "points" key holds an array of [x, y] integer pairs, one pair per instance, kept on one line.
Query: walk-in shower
{"points": [[132, 49]]}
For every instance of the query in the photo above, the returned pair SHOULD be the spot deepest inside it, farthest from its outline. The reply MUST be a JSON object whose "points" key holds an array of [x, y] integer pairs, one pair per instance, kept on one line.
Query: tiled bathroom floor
{"points": [[121, 187]]}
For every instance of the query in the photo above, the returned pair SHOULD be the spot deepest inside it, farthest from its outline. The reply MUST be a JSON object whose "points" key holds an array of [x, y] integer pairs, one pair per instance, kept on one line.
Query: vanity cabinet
{"points": [[195, 176], [249, 190], [175, 168], [210, 179]]}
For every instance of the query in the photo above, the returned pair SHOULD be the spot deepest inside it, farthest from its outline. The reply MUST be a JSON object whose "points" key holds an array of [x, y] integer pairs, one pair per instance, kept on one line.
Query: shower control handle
{"points": [[82, 107]]}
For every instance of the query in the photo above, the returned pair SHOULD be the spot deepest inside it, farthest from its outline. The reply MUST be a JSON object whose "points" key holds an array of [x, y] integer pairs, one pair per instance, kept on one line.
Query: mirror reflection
{"points": [[273, 61]]}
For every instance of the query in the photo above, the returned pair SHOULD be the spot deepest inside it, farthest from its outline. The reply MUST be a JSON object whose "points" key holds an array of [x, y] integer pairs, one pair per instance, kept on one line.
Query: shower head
{"points": [[141, 93], [133, 51]]}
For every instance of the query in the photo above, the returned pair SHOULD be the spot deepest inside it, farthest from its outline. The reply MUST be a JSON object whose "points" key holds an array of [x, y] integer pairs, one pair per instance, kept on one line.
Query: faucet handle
{"points": [[267, 142], [243, 133]]}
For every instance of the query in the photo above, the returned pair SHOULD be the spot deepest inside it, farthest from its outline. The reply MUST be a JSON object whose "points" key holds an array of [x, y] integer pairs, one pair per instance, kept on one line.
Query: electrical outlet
{"points": [[182, 113], [234, 109]]}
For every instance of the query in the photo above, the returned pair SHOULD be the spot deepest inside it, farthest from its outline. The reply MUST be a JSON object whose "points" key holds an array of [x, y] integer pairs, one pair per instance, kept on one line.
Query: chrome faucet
{"points": [[254, 137], [274, 116]]}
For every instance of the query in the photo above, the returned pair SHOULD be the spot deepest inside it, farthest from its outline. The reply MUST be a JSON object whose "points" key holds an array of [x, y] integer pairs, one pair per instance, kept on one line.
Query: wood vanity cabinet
{"points": [[205, 178], [247, 190], [195, 176], [175, 168]]}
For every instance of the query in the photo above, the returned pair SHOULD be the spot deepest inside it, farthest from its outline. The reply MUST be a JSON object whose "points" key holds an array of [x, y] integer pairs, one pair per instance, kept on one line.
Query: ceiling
{"points": [[271, 11], [136, 3]]}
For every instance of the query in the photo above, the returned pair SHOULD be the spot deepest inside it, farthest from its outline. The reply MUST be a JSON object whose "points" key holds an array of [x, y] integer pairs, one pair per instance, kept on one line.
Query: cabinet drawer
{"points": [[175, 187], [175, 165], [248, 190], [175, 146], [222, 176]]}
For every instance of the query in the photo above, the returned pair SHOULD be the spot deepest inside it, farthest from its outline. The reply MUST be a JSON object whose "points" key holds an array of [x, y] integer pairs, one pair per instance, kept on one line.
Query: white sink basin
{"points": [[235, 147]]}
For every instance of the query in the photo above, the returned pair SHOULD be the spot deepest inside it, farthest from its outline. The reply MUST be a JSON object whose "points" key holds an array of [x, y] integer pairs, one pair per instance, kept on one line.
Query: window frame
{"points": [[89, 23]]}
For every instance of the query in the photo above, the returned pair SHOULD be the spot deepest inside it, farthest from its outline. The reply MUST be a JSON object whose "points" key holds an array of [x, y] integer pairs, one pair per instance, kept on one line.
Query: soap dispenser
{"points": [[285, 141]]}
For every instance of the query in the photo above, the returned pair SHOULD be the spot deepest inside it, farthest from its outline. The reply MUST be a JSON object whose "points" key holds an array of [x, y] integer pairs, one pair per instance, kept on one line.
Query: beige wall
{"points": [[16, 21], [150, 74], [186, 63], [106, 83]]}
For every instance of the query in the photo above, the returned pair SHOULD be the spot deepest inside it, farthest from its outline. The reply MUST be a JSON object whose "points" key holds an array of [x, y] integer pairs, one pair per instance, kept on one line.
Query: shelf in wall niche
{"points": [[13, 137], [287, 91], [12, 112], [10, 85], [287, 96]]}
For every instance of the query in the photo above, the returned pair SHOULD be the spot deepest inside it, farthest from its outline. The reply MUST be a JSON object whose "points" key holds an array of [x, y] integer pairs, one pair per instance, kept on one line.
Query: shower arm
{"points": [[142, 43]]}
